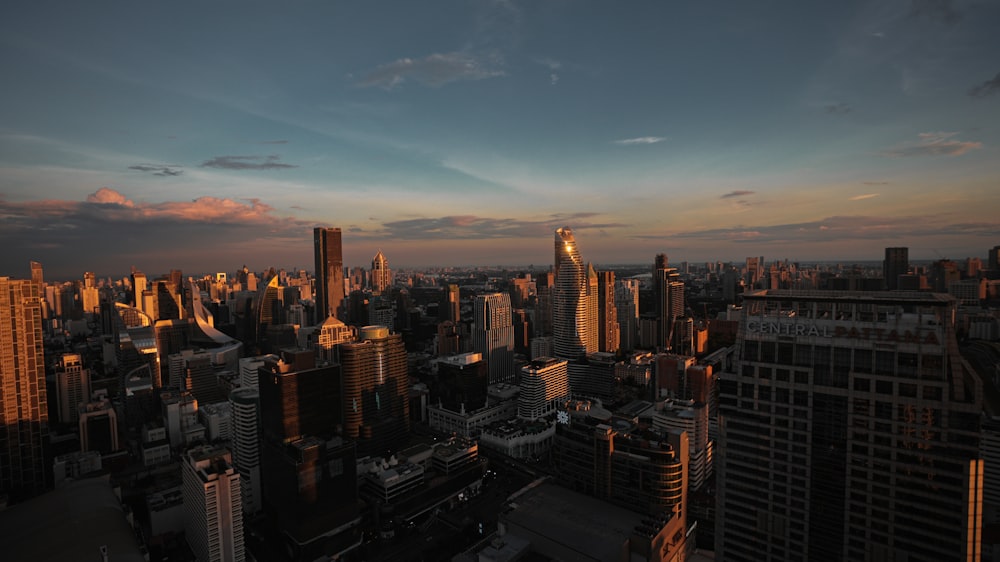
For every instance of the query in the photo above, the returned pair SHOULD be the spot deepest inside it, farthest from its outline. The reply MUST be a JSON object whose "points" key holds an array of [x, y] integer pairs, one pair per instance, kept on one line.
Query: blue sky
{"points": [[206, 135]]}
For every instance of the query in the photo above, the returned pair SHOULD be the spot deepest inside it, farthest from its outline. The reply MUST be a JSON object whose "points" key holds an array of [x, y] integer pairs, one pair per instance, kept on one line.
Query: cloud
{"points": [[471, 227], [933, 144], [876, 183], [434, 70], [863, 197], [270, 162], [938, 10], [65, 232], [554, 78], [840, 228], [737, 193], [279, 141], [162, 170], [640, 140], [987, 88], [838, 109]]}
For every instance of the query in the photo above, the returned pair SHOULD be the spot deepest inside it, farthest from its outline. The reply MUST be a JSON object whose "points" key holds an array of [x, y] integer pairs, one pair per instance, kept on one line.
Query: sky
{"points": [[208, 135]]}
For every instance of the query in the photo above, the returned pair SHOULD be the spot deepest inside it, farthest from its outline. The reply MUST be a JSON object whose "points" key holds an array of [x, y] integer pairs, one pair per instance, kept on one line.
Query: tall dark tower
{"points": [[897, 262], [329, 273], [669, 292]]}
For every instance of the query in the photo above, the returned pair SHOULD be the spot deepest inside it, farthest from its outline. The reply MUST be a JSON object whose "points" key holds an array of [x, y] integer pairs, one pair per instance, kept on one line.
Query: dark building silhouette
{"points": [[462, 382], [896, 263], [329, 273], [849, 430], [376, 388], [668, 291], [307, 469]]}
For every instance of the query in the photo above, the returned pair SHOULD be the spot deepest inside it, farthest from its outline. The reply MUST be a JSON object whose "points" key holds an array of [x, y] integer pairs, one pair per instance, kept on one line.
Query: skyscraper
{"points": [[627, 304], [570, 327], [669, 294], [73, 385], [24, 411], [329, 273], [381, 274], [897, 262], [451, 305], [849, 430], [213, 510], [245, 407], [544, 383], [607, 313], [376, 391], [494, 335]]}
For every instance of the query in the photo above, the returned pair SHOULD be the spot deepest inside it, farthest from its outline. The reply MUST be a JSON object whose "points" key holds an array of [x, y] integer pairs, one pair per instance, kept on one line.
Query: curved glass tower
{"points": [[570, 328]]}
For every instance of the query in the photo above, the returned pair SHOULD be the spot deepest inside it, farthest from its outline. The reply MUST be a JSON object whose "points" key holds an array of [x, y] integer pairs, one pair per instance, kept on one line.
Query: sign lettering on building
{"points": [[849, 332]]}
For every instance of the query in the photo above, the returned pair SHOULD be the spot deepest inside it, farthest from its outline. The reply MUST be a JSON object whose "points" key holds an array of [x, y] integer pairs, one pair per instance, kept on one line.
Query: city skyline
{"points": [[465, 133]]}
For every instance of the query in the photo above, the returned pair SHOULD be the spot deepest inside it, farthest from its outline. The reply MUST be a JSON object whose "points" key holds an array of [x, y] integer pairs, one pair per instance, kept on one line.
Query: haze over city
{"points": [[204, 136]]}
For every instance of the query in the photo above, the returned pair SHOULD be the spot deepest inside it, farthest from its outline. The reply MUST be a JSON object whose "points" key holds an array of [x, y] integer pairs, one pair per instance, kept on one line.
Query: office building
{"points": [[73, 385], [493, 335], [462, 382], [668, 293], [572, 338], [213, 510], [376, 390], [307, 471], [98, 426], [244, 403], [646, 473], [544, 383], [607, 313], [24, 410], [896, 263], [451, 305], [849, 430], [329, 273], [381, 274], [627, 313]]}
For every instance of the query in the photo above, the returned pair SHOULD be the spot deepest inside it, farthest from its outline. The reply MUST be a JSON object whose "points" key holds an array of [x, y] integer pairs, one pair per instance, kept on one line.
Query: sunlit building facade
{"points": [[24, 411], [329, 256], [572, 338], [493, 335]]}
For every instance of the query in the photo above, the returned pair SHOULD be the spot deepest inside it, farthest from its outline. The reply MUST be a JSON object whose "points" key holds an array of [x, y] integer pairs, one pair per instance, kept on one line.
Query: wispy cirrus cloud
{"points": [[162, 170], [933, 144], [938, 10], [737, 193], [987, 88], [640, 140], [863, 197], [840, 228], [474, 227], [434, 70], [270, 162], [838, 109]]}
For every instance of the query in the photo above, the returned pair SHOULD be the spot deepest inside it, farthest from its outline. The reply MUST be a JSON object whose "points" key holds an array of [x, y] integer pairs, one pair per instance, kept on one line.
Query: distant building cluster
{"points": [[758, 410]]}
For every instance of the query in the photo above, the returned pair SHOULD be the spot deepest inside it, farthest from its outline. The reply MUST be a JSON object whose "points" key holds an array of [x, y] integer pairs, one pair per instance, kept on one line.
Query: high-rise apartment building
{"points": [[627, 305], [381, 274], [849, 430], [376, 391], [607, 313], [73, 386], [213, 511], [24, 410], [493, 335], [570, 327], [544, 383], [329, 273], [896, 263], [244, 404]]}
